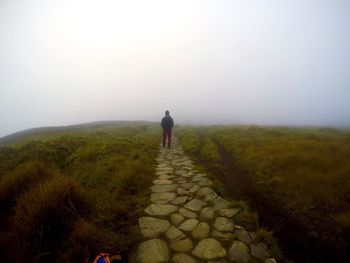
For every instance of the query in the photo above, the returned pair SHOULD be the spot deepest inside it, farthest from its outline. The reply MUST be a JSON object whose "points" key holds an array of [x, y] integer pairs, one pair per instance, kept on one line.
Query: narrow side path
{"points": [[188, 222]]}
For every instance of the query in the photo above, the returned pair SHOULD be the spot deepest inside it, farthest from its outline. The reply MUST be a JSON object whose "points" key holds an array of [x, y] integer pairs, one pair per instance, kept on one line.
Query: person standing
{"points": [[167, 124]]}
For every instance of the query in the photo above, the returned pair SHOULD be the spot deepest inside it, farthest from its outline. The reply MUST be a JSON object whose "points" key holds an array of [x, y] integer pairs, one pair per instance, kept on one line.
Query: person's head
{"points": [[167, 113]]}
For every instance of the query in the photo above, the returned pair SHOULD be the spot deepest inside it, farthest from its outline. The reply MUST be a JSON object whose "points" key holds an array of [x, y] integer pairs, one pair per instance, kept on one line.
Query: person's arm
{"points": [[162, 123], [172, 122]]}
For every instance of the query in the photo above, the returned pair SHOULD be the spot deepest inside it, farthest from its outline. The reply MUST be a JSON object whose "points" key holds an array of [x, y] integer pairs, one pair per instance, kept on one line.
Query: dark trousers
{"points": [[166, 134]]}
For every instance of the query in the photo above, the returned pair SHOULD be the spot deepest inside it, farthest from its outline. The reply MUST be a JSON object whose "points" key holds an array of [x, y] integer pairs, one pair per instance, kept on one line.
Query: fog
{"points": [[209, 62]]}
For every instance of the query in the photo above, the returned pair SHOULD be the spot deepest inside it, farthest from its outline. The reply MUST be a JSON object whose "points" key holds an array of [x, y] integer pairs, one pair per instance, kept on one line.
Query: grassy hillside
{"points": [[43, 133], [296, 178], [66, 196]]}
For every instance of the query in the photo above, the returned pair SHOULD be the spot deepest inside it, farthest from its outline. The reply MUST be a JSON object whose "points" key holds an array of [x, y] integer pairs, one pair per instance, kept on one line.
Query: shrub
{"points": [[44, 216], [89, 203], [19, 181]]}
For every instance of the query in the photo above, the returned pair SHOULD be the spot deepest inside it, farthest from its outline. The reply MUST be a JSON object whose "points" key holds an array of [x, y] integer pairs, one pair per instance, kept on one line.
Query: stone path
{"points": [[188, 222]]}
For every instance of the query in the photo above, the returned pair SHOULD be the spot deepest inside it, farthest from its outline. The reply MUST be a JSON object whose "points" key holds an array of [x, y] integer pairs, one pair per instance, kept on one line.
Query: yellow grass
{"points": [[68, 197], [304, 173]]}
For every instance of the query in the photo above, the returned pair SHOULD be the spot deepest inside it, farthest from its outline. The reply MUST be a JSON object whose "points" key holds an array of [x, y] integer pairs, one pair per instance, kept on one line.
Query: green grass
{"points": [[202, 148], [303, 173], [67, 196]]}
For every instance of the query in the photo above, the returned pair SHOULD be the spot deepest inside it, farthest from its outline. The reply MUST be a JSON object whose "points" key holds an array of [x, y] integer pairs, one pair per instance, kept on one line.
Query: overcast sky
{"points": [[249, 62]]}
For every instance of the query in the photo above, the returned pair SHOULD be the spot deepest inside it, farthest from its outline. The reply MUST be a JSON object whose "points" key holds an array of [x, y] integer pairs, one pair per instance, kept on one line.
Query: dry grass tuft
{"points": [[19, 181], [69, 198], [301, 174]]}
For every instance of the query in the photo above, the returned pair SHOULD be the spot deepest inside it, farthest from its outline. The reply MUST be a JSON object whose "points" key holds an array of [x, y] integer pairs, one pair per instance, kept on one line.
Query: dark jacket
{"points": [[167, 122]]}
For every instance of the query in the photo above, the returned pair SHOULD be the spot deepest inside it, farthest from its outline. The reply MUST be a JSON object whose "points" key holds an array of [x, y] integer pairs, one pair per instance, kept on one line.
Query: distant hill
{"points": [[36, 133]]}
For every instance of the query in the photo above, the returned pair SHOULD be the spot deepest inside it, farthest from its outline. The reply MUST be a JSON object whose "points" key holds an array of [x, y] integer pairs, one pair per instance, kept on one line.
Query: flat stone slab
{"points": [[165, 177], [209, 249], [163, 171], [197, 177], [174, 234], [229, 212], [207, 214], [163, 188], [201, 231], [224, 224], [162, 198], [222, 260], [179, 200], [270, 260], [181, 172], [195, 205], [181, 181], [243, 236], [162, 181], [163, 164], [203, 181], [210, 197], [182, 245], [219, 204], [194, 188], [189, 224], [181, 191], [239, 252], [183, 258], [176, 218], [153, 251], [153, 227], [221, 235], [186, 186], [205, 191], [160, 210], [187, 213]]}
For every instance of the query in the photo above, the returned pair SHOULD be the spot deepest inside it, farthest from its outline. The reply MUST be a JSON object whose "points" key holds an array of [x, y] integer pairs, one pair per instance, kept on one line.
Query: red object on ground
{"points": [[166, 135]]}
